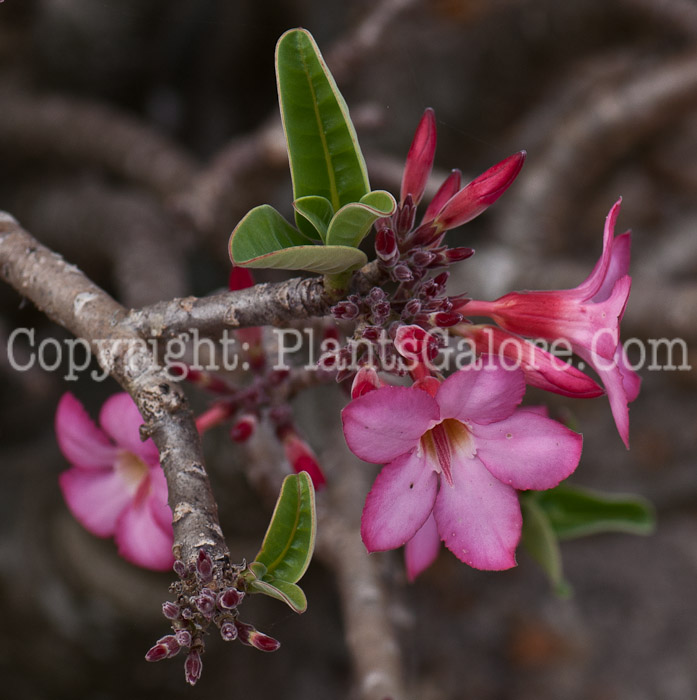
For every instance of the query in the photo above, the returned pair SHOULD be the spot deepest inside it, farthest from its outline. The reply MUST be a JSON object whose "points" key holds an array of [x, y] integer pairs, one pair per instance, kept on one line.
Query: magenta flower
{"points": [[541, 368], [456, 456], [588, 317], [115, 485]]}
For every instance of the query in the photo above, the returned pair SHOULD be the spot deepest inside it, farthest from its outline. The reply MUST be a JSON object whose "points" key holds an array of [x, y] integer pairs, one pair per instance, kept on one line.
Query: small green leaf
{"points": [[290, 593], [318, 211], [353, 221], [574, 512], [541, 543], [264, 239], [323, 150], [290, 539]]}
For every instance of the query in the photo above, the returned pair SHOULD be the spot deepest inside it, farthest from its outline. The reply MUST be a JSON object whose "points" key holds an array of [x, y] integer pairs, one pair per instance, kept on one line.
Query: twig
{"points": [[67, 297]]}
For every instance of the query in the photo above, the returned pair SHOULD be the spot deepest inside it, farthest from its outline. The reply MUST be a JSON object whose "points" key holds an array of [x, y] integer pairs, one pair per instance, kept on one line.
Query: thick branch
{"points": [[73, 301], [267, 304]]}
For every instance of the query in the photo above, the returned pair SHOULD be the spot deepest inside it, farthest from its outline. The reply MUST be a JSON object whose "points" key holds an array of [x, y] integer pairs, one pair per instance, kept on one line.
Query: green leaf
{"points": [[318, 211], [574, 512], [353, 221], [290, 539], [542, 544], [291, 594], [264, 239], [323, 151]]}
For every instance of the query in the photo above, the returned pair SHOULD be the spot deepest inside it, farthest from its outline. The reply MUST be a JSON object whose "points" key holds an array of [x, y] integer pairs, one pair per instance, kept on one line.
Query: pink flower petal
{"points": [[158, 498], [422, 549], [79, 439], [121, 420], [388, 422], [622, 385], [140, 537], [618, 267], [592, 284], [528, 451], [479, 518], [96, 497], [398, 503], [484, 392]]}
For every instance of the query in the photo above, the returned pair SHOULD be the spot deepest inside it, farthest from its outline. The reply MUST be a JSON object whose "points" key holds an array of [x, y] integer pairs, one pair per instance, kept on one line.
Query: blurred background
{"points": [[133, 137]]}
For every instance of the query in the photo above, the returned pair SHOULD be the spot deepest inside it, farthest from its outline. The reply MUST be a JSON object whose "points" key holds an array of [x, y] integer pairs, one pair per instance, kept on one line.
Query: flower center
{"points": [[131, 469], [446, 440]]}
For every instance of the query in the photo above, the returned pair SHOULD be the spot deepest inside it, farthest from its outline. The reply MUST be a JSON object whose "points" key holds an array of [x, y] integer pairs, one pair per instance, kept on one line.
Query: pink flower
{"points": [[588, 317], [541, 368], [454, 455], [115, 485]]}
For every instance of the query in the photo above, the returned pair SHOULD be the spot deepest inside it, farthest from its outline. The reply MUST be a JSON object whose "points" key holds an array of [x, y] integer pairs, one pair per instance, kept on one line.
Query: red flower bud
{"points": [[420, 158], [244, 428], [302, 458], [366, 380], [479, 194], [193, 666], [449, 188]]}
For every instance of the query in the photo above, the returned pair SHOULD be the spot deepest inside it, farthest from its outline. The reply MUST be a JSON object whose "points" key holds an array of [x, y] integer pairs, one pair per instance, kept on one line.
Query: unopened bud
{"points": [[193, 666], [404, 217], [371, 333], [483, 191], [205, 602], [413, 306], [401, 273], [170, 610], [380, 311], [228, 631], [244, 428], [454, 255], [422, 258], [229, 598], [171, 643], [263, 642], [451, 186], [302, 459], [345, 310], [180, 568], [420, 158], [252, 637], [183, 637], [445, 319], [386, 246], [204, 566], [366, 380], [157, 653]]}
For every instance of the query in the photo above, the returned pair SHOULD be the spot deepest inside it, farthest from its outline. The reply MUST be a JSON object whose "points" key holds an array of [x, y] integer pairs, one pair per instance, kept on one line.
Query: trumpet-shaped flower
{"points": [[455, 453], [115, 485], [588, 317]]}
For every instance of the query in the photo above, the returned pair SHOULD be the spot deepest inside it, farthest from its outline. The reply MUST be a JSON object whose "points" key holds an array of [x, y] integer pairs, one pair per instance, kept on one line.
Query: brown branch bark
{"points": [[70, 299]]}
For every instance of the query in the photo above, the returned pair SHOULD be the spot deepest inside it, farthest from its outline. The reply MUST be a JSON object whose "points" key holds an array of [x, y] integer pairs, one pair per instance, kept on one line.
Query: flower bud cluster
{"points": [[207, 593]]}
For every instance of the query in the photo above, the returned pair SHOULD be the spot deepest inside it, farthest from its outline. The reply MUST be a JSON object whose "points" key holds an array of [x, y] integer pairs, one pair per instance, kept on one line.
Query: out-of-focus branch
{"points": [[591, 139], [371, 639], [88, 132], [268, 304], [365, 602], [70, 299]]}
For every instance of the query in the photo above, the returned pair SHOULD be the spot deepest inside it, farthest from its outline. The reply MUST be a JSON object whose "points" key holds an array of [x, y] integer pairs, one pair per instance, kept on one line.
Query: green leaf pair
{"points": [[288, 544], [334, 207], [566, 512]]}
